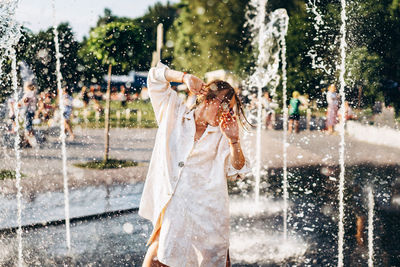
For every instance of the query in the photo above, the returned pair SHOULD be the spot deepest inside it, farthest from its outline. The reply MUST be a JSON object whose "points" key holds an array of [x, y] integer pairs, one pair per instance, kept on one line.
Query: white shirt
{"points": [[190, 178]]}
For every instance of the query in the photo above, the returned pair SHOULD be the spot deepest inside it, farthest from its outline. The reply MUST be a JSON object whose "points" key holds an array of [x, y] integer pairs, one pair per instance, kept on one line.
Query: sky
{"points": [[81, 14]]}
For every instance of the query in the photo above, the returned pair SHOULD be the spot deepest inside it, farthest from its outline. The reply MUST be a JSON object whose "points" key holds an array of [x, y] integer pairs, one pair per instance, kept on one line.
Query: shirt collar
{"points": [[190, 116]]}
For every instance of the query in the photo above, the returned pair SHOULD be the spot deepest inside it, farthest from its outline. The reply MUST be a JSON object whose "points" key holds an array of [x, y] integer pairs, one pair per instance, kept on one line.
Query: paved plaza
{"points": [[97, 198], [42, 166]]}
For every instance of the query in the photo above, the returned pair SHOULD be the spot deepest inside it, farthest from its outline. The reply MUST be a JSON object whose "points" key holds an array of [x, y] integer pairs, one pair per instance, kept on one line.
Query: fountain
{"points": [[256, 227], [17, 156], [8, 42], [342, 144], [62, 129], [269, 38], [370, 227], [317, 63]]}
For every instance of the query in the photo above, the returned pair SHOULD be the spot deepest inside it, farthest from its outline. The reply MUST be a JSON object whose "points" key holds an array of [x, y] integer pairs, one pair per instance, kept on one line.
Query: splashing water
{"points": [[266, 35], [311, 6], [316, 61], [371, 205], [257, 25], [10, 35], [342, 144], [246, 207], [269, 38], [265, 248], [17, 154], [285, 18], [9, 29], [62, 130]]}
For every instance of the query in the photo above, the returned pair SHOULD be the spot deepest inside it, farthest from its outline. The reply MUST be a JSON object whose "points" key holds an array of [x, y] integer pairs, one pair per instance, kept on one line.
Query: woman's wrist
{"points": [[233, 141], [183, 77]]}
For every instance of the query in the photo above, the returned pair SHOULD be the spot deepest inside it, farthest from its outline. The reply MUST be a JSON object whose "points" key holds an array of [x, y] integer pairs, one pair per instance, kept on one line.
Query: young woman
{"points": [[185, 194]]}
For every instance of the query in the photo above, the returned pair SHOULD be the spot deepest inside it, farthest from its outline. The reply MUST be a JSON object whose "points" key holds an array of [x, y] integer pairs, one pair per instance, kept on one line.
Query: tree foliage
{"points": [[119, 44], [363, 69], [38, 51], [159, 13], [209, 35], [205, 35]]}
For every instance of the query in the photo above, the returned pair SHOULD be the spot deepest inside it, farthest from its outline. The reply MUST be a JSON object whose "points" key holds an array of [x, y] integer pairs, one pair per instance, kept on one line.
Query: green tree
{"points": [[119, 44], [107, 18], [116, 44], [38, 51], [364, 75], [300, 75], [209, 35], [376, 26], [159, 13], [395, 5], [90, 68]]}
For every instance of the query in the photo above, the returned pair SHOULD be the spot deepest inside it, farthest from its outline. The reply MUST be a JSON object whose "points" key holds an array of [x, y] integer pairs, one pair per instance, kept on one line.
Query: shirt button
{"points": [[181, 164]]}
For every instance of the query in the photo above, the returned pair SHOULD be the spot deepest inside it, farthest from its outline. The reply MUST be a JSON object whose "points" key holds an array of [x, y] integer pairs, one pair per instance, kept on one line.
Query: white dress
{"points": [[189, 179]]}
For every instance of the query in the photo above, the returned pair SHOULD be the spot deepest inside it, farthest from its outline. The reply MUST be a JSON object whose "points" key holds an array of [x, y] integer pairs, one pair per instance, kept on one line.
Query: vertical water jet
{"points": [[371, 205], [11, 34], [342, 144], [62, 129], [17, 141]]}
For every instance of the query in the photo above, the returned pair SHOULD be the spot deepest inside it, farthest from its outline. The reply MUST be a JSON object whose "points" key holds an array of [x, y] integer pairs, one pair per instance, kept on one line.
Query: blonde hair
{"points": [[296, 94], [332, 88]]}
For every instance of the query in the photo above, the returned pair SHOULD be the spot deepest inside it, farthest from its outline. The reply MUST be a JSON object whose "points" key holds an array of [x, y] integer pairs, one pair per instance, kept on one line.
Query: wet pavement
{"points": [[83, 202], [256, 232]]}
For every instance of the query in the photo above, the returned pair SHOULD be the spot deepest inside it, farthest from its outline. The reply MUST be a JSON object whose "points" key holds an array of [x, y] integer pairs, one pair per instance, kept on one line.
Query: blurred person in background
{"points": [[123, 96], [294, 113], [144, 94], [28, 103], [332, 111], [11, 114], [269, 111], [84, 96], [67, 99], [348, 112]]}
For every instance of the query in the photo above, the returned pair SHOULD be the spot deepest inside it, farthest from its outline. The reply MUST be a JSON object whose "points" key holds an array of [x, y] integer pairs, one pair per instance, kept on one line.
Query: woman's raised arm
{"points": [[195, 84], [162, 96]]}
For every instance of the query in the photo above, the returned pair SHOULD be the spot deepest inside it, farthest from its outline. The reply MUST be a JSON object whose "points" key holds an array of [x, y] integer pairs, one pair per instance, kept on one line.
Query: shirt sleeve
{"points": [[232, 173], [160, 92]]}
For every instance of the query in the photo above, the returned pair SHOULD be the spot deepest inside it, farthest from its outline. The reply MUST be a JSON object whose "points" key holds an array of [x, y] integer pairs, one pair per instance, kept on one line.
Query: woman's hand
{"points": [[229, 127], [195, 84]]}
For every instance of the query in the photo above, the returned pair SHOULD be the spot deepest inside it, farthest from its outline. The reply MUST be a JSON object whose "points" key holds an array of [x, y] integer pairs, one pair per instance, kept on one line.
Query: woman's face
{"points": [[216, 107]]}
